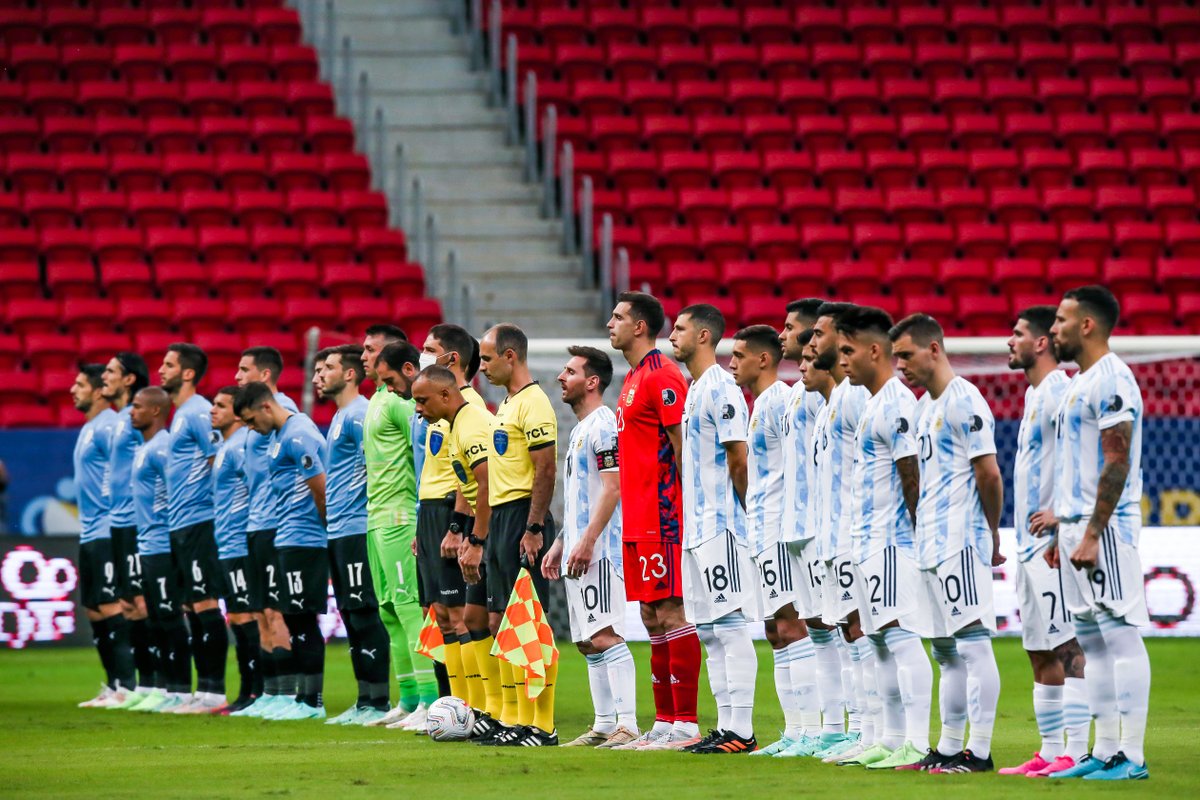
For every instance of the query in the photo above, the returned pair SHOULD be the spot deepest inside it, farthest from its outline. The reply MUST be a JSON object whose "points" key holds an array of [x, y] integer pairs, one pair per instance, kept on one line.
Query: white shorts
{"points": [[596, 600], [776, 582], [1116, 585], [890, 589], [1045, 619], [808, 575], [959, 592], [841, 586], [718, 579]]}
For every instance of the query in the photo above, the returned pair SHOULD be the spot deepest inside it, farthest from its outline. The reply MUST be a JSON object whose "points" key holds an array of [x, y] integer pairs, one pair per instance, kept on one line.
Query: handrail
{"points": [[587, 235], [398, 198], [566, 184], [494, 59], [549, 150], [606, 257], [513, 128], [531, 165], [379, 167]]}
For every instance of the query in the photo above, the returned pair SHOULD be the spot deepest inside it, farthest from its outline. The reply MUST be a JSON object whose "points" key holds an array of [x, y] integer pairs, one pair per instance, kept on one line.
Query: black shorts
{"points": [[263, 575], [194, 549], [504, 553], [97, 574], [304, 580], [441, 578], [160, 582], [476, 593], [129, 567], [351, 573], [235, 586]]}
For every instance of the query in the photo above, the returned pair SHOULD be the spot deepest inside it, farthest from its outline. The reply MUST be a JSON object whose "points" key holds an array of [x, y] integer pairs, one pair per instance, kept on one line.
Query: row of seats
{"points": [[69, 25], [230, 279], [627, 60], [323, 244], [236, 172], [181, 61], [973, 22], [353, 208], [898, 204]]}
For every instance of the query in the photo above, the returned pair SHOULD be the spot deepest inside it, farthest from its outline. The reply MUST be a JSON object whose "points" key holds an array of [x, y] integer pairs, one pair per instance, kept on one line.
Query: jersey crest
{"points": [[460, 472], [435, 442], [500, 441]]}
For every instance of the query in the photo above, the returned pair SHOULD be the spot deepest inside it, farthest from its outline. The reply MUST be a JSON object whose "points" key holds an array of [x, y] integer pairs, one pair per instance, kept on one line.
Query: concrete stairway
{"points": [[419, 73]]}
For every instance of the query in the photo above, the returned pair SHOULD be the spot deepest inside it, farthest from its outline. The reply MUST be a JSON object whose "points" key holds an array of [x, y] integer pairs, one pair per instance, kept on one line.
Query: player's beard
{"points": [[1067, 351], [1016, 361], [172, 385], [826, 359]]}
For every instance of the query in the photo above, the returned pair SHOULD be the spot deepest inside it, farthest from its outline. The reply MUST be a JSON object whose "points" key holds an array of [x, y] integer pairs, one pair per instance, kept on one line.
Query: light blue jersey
{"points": [[886, 433], [592, 451], [264, 511], [231, 496], [189, 476], [799, 419], [420, 430], [714, 415], [346, 479], [93, 448], [125, 442], [1033, 473], [765, 464], [833, 459], [1101, 398], [297, 453], [952, 431], [150, 495]]}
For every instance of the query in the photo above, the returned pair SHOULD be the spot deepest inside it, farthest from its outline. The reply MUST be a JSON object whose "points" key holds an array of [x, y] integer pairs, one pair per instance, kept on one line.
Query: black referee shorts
{"points": [[476, 594], [504, 553], [353, 588], [129, 567], [441, 578], [194, 548]]}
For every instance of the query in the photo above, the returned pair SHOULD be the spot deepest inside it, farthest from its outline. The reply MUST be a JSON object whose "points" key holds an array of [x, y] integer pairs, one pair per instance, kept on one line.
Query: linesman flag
{"points": [[431, 644], [525, 639]]}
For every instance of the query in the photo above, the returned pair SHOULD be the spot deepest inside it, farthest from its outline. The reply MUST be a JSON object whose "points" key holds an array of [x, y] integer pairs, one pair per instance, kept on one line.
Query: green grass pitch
{"points": [[49, 748]]}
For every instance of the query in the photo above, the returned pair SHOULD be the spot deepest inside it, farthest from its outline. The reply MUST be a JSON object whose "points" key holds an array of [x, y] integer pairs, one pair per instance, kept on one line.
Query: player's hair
{"points": [[1099, 303], [322, 354], [389, 332], [133, 364], [397, 354], [251, 396], [1040, 319], [805, 336], [266, 358], [865, 319], [921, 328], [645, 308], [350, 356], [834, 310], [762, 338], [455, 339], [190, 357], [156, 396], [596, 363], [93, 373], [439, 375], [510, 337], [806, 308], [232, 391], [708, 317]]}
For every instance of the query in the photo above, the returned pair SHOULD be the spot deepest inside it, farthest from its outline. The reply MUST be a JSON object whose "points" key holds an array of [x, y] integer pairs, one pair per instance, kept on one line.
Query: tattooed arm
{"points": [[1114, 443], [910, 482]]}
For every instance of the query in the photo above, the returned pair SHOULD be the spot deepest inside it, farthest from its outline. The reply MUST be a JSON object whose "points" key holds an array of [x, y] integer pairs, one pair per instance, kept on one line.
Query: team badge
{"points": [[629, 396], [500, 442], [435, 442], [669, 398], [337, 430], [460, 472]]}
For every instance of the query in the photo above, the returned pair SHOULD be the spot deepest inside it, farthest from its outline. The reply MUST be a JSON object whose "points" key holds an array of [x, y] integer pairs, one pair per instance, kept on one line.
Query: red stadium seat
{"points": [[910, 277], [126, 280], [802, 278], [71, 278]]}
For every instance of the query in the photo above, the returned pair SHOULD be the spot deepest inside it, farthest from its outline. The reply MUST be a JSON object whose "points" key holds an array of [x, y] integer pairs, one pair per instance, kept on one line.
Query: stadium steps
{"points": [[437, 108]]}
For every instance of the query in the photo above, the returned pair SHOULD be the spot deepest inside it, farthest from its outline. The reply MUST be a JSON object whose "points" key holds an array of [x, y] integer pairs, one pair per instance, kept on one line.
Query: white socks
{"points": [[889, 731], [803, 665], [867, 687], [915, 675], [741, 669], [1131, 667], [792, 726], [983, 686], [952, 695], [1077, 719], [829, 681], [1048, 711], [716, 671], [1102, 692], [622, 682], [602, 699]]}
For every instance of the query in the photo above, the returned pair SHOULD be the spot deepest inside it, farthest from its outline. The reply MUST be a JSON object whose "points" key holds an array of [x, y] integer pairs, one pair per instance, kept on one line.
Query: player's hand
{"points": [[1051, 554], [1084, 556], [552, 563], [469, 558], [531, 546], [414, 545], [1041, 523], [998, 558], [580, 559], [451, 544]]}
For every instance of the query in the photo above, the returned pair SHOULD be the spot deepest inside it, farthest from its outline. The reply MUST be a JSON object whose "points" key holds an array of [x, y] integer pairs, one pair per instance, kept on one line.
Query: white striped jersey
{"points": [[799, 418], [764, 490], [952, 430], [833, 456], [1101, 398], [593, 450], [715, 413], [1033, 473], [886, 433]]}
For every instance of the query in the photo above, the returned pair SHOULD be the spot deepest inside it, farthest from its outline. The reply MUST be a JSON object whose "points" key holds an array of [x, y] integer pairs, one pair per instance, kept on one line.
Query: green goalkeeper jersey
{"points": [[388, 448]]}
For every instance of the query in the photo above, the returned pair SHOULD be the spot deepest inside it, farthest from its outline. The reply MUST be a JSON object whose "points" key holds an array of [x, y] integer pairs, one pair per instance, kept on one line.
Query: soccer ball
{"points": [[449, 719]]}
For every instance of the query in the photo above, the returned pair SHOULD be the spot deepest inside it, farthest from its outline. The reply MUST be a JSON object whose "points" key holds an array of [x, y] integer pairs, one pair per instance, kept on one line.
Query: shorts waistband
{"points": [[512, 503], [447, 502]]}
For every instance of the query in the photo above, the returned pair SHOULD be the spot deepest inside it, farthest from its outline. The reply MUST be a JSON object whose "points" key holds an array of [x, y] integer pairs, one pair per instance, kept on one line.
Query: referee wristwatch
{"points": [[475, 540], [535, 528]]}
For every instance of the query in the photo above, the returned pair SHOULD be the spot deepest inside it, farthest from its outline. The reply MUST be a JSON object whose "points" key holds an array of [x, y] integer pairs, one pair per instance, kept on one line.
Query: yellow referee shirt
{"points": [[438, 480], [525, 421], [469, 442]]}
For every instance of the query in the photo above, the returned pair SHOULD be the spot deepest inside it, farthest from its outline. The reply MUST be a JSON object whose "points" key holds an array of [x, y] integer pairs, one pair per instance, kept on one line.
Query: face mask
{"points": [[427, 360]]}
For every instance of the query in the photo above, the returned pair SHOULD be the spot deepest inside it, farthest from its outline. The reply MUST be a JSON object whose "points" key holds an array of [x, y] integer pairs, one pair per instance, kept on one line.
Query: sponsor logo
{"points": [[902, 425], [306, 462], [874, 610], [1052, 629], [299, 604], [846, 596], [976, 423], [720, 598], [369, 653], [727, 411], [954, 612], [356, 596], [669, 398], [591, 618], [500, 441], [773, 594], [674, 680], [1115, 403]]}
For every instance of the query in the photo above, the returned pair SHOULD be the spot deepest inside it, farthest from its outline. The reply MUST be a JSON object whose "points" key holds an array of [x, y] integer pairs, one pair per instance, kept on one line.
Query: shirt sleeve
{"points": [[539, 424], [668, 393], [604, 448], [730, 414], [977, 427], [475, 441], [1114, 400], [306, 452], [901, 425], [202, 431]]}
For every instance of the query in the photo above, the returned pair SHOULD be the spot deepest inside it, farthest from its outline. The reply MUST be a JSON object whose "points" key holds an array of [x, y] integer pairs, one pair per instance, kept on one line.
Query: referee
{"points": [[521, 472]]}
